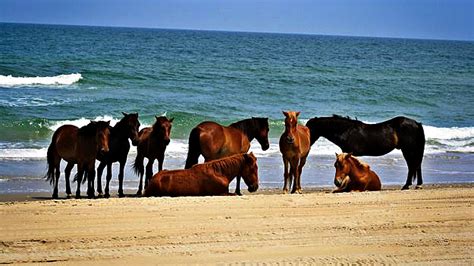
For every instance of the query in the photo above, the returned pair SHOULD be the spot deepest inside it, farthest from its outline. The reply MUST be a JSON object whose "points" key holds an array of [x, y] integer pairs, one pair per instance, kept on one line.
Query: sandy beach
{"points": [[433, 225]]}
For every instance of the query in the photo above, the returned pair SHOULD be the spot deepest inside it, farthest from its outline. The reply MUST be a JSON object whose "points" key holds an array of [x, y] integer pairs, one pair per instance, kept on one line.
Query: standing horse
{"points": [[77, 146], [375, 139], [294, 146], [126, 128], [214, 141], [152, 142], [354, 175], [207, 179]]}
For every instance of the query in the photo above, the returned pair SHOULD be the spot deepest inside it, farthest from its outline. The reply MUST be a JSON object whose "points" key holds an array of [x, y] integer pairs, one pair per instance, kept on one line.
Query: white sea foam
{"points": [[82, 122], [66, 79]]}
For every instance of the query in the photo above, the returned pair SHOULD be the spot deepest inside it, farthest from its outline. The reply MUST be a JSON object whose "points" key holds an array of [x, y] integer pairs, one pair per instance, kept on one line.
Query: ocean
{"points": [[52, 75]]}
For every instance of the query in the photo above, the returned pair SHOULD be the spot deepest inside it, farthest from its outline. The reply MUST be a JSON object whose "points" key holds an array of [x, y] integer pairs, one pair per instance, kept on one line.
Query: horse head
{"points": [[343, 168], [250, 172], [102, 135], [291, 122], [162, 128], [133, 126], [262, 129]]}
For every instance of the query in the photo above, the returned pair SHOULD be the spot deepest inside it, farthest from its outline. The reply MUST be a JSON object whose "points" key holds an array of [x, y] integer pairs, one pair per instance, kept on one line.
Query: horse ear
{"points": [[156, 117], [108, 123], [348, 155], [171, 120], [124, 114], [93, 122], [298, 113], [285, 113], [336, 154], [135, 114]]}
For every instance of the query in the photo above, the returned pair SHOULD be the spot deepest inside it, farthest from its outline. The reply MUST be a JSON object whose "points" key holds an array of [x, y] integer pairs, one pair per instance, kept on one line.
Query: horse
{"points": [[152, 143], [375, 139], [294, 147], [214, 141], [354, 175], [208, 179], [126, 128], [77, 146]]}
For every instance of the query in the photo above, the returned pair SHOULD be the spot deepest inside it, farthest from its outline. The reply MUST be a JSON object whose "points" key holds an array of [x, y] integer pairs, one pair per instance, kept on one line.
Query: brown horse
{"points": [[127, 128], [214, 141], [77, 146], [294, 146], [152, 142], [354, 175], [207, 179]]}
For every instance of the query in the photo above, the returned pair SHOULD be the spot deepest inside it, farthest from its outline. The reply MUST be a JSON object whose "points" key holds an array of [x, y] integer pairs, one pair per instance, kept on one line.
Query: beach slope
{"points": [[423, 226]]}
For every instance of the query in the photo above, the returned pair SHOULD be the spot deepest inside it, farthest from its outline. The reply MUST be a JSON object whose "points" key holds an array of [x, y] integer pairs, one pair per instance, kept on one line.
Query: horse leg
{"points": [[56, 181], [100, 169], [90, 181], [120, 177], [67, 173], [412, 167], [149, 171], [80, 173], [237, 186], [344, 185], [160, 158], [295, 173], [419, 179], [286, 176], [108, 178], [300, 170]]}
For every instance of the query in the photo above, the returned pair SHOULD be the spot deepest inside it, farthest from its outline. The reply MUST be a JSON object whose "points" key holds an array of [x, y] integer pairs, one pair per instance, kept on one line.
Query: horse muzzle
{"points": [[253, 188], [166, 141], [104, 150], [265, 147], [135, 142], [290, 140], [337, 182]]}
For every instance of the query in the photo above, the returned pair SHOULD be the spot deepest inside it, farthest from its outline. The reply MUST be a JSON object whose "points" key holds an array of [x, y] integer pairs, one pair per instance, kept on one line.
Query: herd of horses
{"points": [[225, 151]]}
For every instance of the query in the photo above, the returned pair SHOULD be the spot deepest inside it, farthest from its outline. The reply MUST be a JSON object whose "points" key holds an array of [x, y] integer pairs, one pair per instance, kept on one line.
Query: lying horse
{"points": [[77, 146], [152, 142], [354, 175], [207, 179], [214, 141], [294, 146], [126, 128], [375, 139]]}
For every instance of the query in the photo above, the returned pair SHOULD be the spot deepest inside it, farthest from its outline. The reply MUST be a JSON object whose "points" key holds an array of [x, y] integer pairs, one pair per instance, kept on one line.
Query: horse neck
{"points": [[87, 144], [119, 131], [229, 167], [332, 130], [246, 127], [357, 168]]}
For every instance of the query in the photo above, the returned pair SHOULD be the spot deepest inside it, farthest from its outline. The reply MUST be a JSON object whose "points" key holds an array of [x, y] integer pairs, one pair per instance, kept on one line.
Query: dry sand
{"points": [[434, 225]]}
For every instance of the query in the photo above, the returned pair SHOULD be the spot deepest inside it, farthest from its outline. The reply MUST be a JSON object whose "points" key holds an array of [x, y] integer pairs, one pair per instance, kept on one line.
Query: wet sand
{"points": [[433, 225]]}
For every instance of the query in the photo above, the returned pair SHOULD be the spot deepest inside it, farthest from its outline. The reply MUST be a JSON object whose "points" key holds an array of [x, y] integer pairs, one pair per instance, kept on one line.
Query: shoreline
{"points": [[130, 193], [431, 225]]}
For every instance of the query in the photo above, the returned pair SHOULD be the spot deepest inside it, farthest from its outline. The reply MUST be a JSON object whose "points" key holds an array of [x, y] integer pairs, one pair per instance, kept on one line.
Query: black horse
{"points": [[126, 128], [361, 139]]}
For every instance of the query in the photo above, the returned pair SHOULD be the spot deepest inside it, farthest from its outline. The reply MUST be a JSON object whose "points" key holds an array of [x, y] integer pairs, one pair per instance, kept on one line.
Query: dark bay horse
{"points": [[152, 143], [354, 175], [77, 146], [207, 179], [361, 139], [126, 128], [294, 147], [214, 141]]}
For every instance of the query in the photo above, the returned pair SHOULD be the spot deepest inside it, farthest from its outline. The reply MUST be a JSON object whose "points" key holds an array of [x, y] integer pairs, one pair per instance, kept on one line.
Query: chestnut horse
{"points": [[207, 179], [126, 128], [214, 141], [354, 175], [375, 139], [77, 146], [152, 142], [294, 146]]}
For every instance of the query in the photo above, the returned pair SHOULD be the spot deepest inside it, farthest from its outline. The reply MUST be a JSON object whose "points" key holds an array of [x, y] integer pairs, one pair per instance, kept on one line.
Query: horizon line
{"points": [[242, 31]]}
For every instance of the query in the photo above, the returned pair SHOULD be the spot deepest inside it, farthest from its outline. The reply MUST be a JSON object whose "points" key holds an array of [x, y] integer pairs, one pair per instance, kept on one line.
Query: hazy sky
{"points": [[431, 19]]}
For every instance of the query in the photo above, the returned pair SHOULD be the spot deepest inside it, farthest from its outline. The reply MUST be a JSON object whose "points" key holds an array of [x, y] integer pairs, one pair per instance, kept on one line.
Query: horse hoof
{"points": [[405, 187], [121, 195], [139, 193], [68, 196], [55, 196], [78, 196], [100, 195], [419, 187], [107, 195]]}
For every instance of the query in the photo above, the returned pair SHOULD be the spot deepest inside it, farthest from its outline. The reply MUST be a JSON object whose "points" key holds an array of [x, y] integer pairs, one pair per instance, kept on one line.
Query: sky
{"points": [[421, 19]]}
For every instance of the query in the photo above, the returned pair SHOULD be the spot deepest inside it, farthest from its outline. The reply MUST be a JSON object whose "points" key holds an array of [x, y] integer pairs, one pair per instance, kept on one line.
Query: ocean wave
{"points": [[66, 79], [82, 122]]}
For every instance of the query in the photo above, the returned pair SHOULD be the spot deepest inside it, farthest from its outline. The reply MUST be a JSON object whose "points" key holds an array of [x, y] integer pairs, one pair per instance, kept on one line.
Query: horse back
{"points": [[217, 141]]}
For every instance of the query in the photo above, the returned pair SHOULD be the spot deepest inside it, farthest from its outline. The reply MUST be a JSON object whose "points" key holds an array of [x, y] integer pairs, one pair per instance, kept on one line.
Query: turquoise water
{"points": [[98, 72]]}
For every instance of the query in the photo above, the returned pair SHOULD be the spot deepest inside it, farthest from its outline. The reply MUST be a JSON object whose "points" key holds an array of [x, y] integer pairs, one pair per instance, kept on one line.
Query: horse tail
{"points": [[138, 167], [194, 149], [50, 158]]}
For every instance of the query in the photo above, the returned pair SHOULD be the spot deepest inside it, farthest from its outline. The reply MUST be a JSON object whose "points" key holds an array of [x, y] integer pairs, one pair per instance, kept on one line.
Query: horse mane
{"points": [[347, 118], [89, 129], [243, 125], [231, 162], [359, 163]]}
